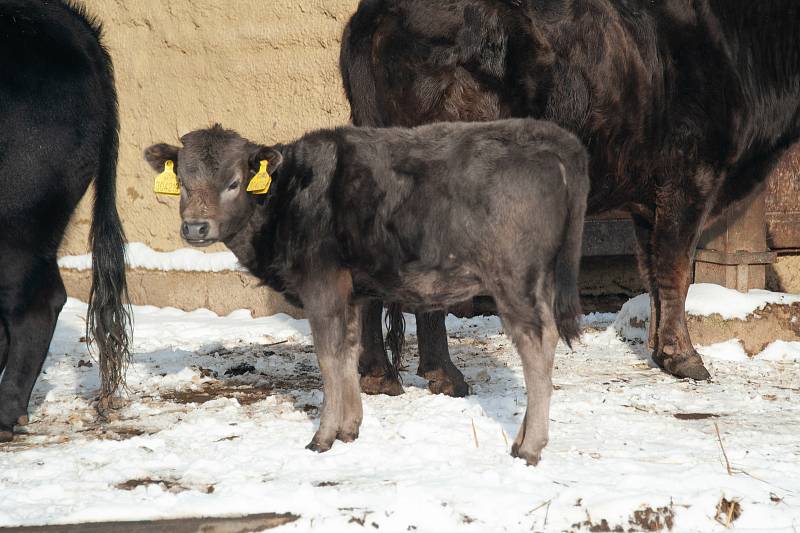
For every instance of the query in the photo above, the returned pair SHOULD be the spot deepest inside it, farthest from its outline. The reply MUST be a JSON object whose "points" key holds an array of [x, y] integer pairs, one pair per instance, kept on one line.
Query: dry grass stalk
{"points": [[725, 455]]}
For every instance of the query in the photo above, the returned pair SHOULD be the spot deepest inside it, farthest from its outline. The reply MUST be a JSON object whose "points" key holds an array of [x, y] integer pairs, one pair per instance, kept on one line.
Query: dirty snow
{"points": [[139, 255], [629, 446]]}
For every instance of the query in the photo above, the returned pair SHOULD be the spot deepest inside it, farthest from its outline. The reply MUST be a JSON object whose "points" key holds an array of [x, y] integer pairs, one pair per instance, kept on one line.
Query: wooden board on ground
{"points": [[242, 524]]}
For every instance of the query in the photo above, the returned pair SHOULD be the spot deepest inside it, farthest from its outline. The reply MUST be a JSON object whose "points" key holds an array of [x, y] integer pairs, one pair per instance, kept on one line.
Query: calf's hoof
{"points": [[347, 436], [381, 384], [6, 435], [683, 366], [447, 380], [531, 458], [23, 420]]}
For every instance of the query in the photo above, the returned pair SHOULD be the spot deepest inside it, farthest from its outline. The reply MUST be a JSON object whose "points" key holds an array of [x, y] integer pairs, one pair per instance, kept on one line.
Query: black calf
{"points": [[58, 108]]}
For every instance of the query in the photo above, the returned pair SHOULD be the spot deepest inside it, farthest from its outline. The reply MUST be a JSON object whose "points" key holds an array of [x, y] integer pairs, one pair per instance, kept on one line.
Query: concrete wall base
{"points": [[221, 292]]}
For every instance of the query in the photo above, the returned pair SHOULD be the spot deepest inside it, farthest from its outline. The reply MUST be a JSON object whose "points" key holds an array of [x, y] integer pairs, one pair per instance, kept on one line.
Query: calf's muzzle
{"points": [[197, 232]]}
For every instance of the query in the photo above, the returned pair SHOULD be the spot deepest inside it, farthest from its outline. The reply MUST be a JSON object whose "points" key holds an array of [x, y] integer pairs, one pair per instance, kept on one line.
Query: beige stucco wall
{"points": [[267, 68]]}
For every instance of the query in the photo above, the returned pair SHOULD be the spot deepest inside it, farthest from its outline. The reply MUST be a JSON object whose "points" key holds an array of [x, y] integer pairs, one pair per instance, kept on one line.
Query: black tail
{"points": [[395, 335], [355, 64], [567, 305], [108, 319]]}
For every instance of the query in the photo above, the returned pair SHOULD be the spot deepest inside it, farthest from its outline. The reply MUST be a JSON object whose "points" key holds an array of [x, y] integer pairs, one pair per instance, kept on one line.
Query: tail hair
{"points": [[108, 323], [567, 304], [395, 336]]}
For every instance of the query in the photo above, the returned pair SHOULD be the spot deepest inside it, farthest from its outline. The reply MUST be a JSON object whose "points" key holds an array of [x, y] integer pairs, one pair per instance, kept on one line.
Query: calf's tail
{"points": [[108, 318], [567, 304]]}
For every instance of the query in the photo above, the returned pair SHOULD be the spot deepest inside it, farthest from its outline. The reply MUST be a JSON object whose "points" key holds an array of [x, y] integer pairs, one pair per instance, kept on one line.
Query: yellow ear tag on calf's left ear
{"points": [[261, 181], [167, 182]]}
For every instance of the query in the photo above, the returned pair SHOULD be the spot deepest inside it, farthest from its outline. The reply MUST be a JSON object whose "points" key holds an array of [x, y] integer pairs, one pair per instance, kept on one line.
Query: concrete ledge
{"points": [[221, 292], [761, 328]]}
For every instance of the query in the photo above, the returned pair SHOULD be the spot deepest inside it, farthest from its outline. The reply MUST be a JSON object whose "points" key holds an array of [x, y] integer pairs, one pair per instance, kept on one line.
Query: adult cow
{"points": [[58, 108], [685, 106]]}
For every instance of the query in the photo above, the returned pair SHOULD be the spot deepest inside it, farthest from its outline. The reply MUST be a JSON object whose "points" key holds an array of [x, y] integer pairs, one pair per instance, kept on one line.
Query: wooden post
{"points": [[733, 251]]}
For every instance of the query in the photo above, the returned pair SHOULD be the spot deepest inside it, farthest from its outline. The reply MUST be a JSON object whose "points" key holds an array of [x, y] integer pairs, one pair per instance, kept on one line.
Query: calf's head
{"points": [[214, 167]]}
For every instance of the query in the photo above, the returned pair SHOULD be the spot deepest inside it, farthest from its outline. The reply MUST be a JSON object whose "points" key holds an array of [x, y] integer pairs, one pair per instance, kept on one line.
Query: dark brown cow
{"points": [[685, 107]]}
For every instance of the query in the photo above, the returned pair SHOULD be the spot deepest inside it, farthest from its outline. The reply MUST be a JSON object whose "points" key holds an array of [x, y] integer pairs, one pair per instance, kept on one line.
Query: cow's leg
{"points": [[30, 313], [537, 351], [3, 345], [336, 327], [377, 374], [434, 358], [647, 269], [676, 231]]}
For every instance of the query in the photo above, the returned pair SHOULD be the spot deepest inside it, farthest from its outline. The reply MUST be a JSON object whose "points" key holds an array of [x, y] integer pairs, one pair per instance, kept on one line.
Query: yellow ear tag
{"points": [[261, 181], [167, 182]]}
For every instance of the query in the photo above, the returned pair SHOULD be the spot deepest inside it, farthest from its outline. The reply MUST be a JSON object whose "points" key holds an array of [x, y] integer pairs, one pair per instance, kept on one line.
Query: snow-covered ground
{"points": [[629, 446]]}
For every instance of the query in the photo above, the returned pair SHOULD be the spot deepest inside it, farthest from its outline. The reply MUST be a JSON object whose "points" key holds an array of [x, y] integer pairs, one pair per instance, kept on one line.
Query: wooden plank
{"points": [[608, 237], [783, 203], [256, 522]]}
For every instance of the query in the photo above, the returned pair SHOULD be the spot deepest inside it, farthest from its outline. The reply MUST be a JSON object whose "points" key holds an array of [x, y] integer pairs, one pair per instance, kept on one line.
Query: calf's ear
{"points": [[158, 154], [261, 153]]}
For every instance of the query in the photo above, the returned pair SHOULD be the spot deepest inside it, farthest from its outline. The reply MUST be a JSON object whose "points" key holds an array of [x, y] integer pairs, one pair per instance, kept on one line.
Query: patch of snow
{"points": [[781, 351], [422, 462], [706, 299], [139, 255], [730, 350]]}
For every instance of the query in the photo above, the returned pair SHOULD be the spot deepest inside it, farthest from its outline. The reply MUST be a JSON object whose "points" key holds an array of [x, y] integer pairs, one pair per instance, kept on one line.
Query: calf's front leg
{"points": [[336, 327]]}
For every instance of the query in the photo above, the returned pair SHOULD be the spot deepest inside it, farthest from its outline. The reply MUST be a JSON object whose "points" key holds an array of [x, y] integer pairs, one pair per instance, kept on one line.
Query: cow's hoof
{"points": [[381, 384], [683, 366], [23, 420], [448, 381], [532, 459], [319, 447]]}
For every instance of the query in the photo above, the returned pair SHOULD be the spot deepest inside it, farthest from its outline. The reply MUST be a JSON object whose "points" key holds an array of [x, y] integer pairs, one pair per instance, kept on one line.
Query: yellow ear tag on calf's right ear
{"points": [[261, 181], [167, 182]]}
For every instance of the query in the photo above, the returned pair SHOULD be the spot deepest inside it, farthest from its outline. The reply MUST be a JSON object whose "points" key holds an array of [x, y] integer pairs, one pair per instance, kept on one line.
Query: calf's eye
{"points": [[234, 185]]}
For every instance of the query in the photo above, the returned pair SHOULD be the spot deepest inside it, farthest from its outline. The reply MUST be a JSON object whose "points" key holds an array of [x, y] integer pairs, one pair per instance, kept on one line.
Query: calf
{"points": [[685, 106], [58, 108], [426, 217]]}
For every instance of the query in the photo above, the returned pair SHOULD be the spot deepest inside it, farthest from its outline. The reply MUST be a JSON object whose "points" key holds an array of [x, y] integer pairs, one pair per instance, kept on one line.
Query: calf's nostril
{"points": [[203, 229], [185, 229]]}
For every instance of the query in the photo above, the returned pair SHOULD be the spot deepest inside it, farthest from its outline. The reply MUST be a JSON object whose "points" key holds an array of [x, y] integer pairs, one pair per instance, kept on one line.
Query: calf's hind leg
{"points": [[537, 351], [336, 327]]}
